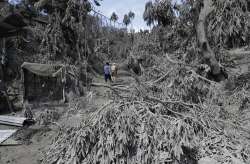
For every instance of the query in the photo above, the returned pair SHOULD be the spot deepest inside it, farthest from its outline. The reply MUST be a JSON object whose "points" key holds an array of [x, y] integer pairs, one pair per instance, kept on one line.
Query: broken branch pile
{"points": [[178, 119], [147, 129], [126, 132]]}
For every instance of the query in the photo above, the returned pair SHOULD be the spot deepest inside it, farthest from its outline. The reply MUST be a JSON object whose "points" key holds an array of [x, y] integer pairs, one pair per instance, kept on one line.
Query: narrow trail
{"points": [[124, 78], [37, 139], [103, 93]]}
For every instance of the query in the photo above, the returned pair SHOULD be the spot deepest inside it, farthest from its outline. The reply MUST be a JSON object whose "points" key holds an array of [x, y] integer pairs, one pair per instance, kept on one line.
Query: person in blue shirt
{"points": [[107, 72]]}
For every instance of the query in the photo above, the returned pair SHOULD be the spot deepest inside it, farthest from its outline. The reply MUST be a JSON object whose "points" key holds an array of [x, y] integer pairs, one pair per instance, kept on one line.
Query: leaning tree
{"points": [[215, 24], [219, 24], [65, 36]]}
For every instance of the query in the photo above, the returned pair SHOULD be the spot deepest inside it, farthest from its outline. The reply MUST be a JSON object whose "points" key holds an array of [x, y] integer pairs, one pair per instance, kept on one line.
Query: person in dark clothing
{"points": [[107, 72]]}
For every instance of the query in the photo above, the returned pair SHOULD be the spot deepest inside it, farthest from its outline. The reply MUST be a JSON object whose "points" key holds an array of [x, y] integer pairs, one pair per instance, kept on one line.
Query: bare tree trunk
{"points": [[201, 31]]}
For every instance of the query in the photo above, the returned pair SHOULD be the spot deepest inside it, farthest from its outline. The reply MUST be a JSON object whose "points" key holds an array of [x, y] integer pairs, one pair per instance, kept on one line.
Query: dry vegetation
{"points": [[188, 100]]}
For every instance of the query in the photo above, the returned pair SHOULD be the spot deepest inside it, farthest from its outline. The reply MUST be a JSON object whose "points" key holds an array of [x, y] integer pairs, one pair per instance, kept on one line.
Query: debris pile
{"points": [[172, 124], [173, 111], [126, 131]]}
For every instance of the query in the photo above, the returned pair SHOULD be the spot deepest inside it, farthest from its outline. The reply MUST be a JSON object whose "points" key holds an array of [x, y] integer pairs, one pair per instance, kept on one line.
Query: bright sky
{"points": [[122, 7], [14, 2]]}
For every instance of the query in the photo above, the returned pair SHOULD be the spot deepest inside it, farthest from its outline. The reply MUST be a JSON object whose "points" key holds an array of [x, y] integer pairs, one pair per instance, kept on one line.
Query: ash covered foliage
{"points": [[176, 111]]}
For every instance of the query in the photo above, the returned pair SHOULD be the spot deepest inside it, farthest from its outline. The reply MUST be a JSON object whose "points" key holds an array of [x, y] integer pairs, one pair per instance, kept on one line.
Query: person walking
{"points": [[114, 71], [107, 72]]}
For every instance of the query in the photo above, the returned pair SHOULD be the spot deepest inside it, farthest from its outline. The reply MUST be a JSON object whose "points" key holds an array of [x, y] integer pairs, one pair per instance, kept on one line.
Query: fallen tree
{"points": [[147, 129], [125, 134]]}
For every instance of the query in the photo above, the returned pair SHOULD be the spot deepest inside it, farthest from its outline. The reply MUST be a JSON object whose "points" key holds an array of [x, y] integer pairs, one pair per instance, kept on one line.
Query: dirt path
{"points": [[31, 151], [36, 139]]}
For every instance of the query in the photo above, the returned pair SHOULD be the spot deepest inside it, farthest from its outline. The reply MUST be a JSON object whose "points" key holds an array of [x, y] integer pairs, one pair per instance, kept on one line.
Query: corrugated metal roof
{"points": [[10, 120], [5, 134]]}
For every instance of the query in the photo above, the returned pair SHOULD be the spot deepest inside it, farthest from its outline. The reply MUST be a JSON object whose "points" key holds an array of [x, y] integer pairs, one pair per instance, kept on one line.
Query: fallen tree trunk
{"points": [[162, 77], [207, 52], [110, 87], [238, 54]]}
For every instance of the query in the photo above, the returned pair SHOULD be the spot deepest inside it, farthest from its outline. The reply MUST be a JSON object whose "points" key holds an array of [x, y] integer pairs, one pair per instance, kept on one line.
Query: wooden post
{"points": [[22, 87], [63, 79], [8, 101], [3, 89]]}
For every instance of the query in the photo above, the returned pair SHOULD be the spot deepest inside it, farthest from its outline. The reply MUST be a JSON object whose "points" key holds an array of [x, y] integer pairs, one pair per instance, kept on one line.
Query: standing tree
{"points": [[131, 16], [214, 24], [148, 14], [225, 22], [160, 11], [126, 20], [208, 54], [65, 29], [164, 12], [114, 17]]}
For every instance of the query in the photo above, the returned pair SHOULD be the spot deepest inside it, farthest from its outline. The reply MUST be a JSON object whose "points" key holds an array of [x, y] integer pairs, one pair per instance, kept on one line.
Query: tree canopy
{"points": [[148, 14], [160, 11], [131, 15], [127, 19], [114, 17]]}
